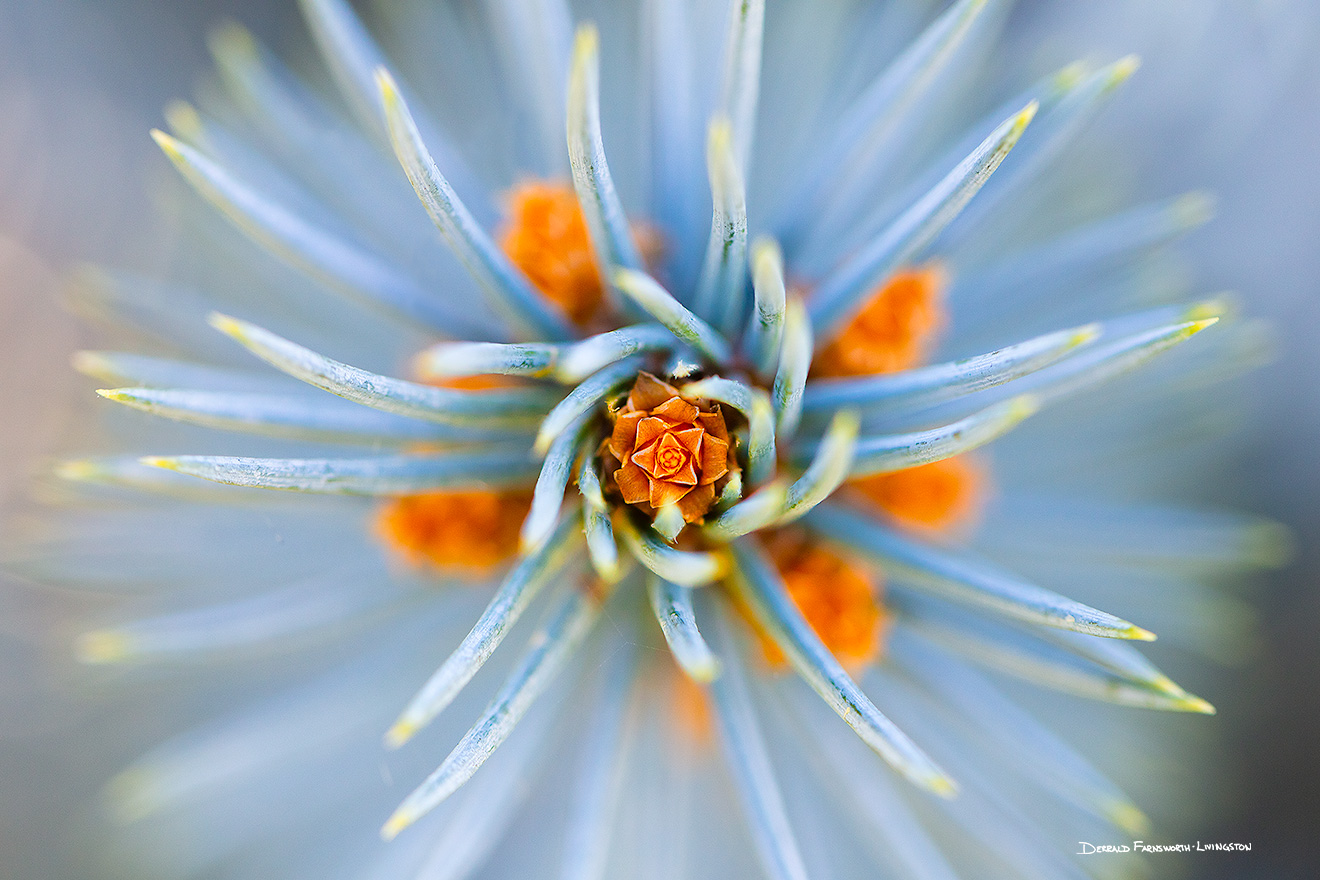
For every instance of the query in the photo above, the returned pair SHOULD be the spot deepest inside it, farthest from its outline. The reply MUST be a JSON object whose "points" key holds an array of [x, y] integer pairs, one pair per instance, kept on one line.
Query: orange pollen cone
{"points": [[545, 235], [941, 496], [894, 331], [839, 599], [467, 533]]}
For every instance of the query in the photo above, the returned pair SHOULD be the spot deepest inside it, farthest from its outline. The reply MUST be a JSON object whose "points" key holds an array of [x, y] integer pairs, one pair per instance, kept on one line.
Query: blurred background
{"points": [[1228, 100]]}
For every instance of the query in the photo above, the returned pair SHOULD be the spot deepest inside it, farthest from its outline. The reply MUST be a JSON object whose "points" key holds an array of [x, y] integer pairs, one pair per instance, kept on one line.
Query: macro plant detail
{"points": [[732, 433], [668, 453]]}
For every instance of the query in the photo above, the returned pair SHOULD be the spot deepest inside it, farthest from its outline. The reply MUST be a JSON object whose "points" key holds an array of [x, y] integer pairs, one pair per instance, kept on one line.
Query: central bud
{"points": [[667, 450]]}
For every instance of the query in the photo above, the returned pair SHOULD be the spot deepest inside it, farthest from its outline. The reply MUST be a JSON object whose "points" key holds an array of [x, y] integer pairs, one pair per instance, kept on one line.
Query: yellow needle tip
{"points": [[400, 733], [399, 821]]}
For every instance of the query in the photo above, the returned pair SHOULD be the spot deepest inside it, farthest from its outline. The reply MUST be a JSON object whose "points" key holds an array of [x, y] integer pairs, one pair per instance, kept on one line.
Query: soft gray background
{"points": [[1229, 99], [81, 83]]}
